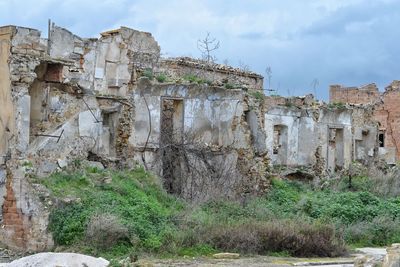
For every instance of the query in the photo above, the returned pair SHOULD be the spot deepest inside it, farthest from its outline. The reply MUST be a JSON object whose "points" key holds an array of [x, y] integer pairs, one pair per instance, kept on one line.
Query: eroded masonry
{"points": [[206, 129], [386, 112]]}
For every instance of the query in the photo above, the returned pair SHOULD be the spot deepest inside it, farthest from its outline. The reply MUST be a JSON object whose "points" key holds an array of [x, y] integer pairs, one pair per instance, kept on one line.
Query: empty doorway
{"points": [[171, 140]]}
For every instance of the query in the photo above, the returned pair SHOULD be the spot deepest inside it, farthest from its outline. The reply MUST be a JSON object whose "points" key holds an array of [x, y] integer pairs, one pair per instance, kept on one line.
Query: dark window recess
{"points": [[381, 139], [54, 73]]}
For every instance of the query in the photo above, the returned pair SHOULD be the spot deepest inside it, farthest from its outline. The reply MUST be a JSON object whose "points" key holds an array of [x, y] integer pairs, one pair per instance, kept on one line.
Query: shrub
{"points": [[68, 224], [134, 199], [337, 105], [297, 239], [380, 231], [292, 218], [161, 77], [192, 78], [258, 95], [148, 73], [229, 86], [105, 230]]}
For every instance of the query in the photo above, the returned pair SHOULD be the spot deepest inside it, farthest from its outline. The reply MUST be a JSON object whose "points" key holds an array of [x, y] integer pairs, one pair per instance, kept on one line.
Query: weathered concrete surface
{"points": [[317, 136], [215, 73], [213, 121], [6, 104], [49, 259], [386, 112]]}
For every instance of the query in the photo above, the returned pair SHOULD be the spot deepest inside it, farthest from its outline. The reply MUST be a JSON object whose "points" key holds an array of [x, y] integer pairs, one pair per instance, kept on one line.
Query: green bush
{"points": [[337, 105], [148, 73], [258, 95], [161, 78], [192, 78], [133, 197], [291, 219], [68, 223]]}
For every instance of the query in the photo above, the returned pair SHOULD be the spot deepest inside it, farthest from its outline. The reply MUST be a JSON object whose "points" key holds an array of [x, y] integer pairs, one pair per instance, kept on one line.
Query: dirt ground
{"points": [[256, 261]]}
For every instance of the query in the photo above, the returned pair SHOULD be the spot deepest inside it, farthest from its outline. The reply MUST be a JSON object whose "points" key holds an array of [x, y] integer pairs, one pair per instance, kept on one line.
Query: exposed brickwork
{"points": [[388, 115], [386, 107], [364, 95], [12, 216]]}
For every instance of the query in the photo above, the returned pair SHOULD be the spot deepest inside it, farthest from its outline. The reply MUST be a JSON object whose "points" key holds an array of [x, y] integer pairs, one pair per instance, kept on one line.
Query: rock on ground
{"points": [[392, 258], [226, 255], [49, 259]]}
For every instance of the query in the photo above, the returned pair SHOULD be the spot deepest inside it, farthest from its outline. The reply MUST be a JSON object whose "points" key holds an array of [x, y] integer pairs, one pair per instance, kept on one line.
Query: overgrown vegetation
{"points": [[337, 105], [117, 213], [161, 78], [192, 78], [259, 95], [148, 73]]}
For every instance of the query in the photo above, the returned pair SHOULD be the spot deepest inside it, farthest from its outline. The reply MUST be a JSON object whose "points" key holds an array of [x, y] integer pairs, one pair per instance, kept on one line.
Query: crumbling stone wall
{"points": [[75, 98], [385, 112], [216, 157], [6, 115], [325, 138], [367, 94], [218, 74]]}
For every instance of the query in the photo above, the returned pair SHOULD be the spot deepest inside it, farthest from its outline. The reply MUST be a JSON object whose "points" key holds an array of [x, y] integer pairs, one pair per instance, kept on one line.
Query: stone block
{"points": [[226, 256], [89, 124], [23, 122]]}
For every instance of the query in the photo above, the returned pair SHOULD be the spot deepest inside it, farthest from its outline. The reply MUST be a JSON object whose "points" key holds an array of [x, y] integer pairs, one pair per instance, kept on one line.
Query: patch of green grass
{"points": [[152, 221], [133, 196], [197, 250]]}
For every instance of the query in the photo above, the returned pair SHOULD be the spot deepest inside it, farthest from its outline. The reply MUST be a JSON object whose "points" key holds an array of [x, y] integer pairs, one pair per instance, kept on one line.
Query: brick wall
{"points": [[391, 109], [386, 112], [12, 217], [364, 95]]}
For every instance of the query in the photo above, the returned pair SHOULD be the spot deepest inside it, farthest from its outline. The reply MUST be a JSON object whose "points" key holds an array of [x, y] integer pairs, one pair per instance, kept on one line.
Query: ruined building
{"points": [[386, 112], [207, 129]]}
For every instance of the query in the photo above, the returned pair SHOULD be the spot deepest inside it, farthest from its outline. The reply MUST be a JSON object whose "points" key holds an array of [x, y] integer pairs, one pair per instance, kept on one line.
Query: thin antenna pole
{"points": [[48, 37]]}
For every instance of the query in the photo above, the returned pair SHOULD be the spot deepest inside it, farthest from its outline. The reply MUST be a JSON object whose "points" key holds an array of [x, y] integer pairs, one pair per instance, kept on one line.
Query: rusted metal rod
{"points": [[53, 136], [97, 121]]}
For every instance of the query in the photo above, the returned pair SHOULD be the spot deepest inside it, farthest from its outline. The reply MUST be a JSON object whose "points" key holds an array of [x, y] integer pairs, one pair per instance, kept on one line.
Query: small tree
{"points": [[268, 71], [314, 85], [207, 46]]}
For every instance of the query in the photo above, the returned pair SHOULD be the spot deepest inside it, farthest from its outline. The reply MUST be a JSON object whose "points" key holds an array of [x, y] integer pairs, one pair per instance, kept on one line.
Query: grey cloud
{"points": [[353, 44], [252, 35]]}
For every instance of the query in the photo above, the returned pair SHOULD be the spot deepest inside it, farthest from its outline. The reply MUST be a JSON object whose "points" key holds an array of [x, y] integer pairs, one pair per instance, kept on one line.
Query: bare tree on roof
{"points": [[268, 71], [314, 85], [207, 46]]}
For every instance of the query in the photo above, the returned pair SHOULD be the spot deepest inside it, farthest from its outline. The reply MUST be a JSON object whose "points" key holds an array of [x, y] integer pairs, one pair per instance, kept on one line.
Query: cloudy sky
{"points": [[349, 42]]}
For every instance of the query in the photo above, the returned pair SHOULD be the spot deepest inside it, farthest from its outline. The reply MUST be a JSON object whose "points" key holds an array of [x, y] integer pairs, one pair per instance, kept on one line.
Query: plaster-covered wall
{"points": [[318, 136], [289, 136], [385, 112], [209, 113], [6, 104]]}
